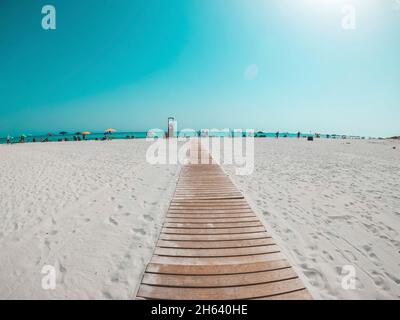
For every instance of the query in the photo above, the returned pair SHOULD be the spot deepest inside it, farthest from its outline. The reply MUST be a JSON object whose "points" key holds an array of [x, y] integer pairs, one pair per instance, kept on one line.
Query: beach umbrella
{"points": [[78, 133], [23, 135], [110, 130], [86, 133], [63, 133]]}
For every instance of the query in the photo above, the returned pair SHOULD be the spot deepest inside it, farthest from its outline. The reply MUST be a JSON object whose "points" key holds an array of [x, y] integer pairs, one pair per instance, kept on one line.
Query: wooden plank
{"points": [[217, 213], [208, 197], [211, 188], [205, 210], [212, 225], [230, 280], [211, 261], [189, 208], [219, 252], [217, 269], [213, 231], [213, 237], [210, 218], [215, 244], [208, 206], [202, 202], [226, 293]]}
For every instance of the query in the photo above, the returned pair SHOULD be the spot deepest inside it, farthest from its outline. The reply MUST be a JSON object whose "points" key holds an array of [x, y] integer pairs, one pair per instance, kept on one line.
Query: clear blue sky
{"points": [[269, 65]]}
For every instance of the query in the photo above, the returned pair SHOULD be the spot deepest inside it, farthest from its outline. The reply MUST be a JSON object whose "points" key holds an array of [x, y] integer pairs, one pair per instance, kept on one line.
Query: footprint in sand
{"points": [[351, 255], [328, 255], [114, 278], [148, 217], [393, 278], [371, 255], [113, 221], [315, 277], [139, 230], [379, 280], [62, 269], [127, 256], [314, 236], [107, 295]]}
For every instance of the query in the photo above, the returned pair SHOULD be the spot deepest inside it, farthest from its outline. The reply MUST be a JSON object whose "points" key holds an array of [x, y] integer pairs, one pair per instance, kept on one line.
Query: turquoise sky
{"points": [[273, 65]]}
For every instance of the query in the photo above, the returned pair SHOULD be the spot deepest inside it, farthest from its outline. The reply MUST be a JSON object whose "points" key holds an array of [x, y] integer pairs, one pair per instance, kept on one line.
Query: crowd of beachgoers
{"points": [[110, 134]]}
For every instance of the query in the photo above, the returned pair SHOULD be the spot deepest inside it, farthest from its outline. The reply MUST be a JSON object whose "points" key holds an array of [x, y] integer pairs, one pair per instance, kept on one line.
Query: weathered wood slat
{"points": [[230, 224], [213, 237], [211, 219], [212, 231], [215, 244], [212, 211], [217, 269], [220, 252], [211, 261], [215, 281], [231, 293]]}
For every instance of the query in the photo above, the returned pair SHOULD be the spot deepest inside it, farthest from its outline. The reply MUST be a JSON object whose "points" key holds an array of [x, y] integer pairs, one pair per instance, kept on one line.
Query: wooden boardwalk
{"points": [[213, 246]]}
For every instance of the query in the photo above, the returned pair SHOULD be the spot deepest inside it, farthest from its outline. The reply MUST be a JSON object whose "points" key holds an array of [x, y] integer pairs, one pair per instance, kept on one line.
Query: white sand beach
{"points": [[331, 203], [94, 210]]}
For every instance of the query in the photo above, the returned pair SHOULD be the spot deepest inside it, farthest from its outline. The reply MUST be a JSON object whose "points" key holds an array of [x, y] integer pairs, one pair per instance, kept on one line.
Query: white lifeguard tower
{"points": [[171, 133]]}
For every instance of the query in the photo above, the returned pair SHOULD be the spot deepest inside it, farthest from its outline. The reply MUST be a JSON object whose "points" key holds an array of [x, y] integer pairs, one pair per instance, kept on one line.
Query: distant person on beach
{"points": [[34, 140], [22, 140], [277, 134], [298, 135], [8, 139]]}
